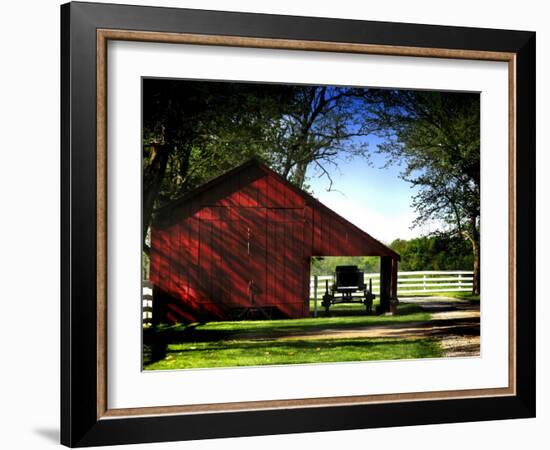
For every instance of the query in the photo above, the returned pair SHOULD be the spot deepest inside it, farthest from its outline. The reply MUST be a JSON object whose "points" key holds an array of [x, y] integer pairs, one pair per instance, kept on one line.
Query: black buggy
{"points": [[348, 287]]}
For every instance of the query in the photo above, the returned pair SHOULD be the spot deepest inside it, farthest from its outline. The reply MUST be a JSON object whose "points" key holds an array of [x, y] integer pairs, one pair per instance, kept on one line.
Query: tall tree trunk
{"points": [[287, 167], [473, 237], [153, 175], [477, 278], [300, 174]]}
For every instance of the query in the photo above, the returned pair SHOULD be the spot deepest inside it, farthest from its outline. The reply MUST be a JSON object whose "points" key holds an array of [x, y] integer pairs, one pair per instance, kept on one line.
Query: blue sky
{"points": [[373, 198]]}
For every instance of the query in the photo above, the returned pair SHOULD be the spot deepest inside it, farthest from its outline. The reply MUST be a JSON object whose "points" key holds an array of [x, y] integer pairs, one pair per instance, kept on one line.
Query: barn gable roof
{"points": [[164, 211]]}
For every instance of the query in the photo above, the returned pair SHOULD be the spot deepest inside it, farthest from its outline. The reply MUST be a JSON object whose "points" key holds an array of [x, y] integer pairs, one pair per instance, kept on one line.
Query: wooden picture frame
{"points": [[85, 416]]}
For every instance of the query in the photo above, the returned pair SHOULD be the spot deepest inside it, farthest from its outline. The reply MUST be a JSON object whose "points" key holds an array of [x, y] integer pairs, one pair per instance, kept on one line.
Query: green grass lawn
{"points": [[459, 295], [358, 308], [231, 353], [259, 342]]}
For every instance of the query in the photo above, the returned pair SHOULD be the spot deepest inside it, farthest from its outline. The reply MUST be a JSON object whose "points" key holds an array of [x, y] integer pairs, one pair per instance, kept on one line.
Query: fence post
{"points": [[459, 281], [315, 296], [424, 282]]}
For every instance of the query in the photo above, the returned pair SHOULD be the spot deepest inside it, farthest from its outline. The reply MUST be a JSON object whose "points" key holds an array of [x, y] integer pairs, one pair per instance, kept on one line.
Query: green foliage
{"points": [[434, 253], [436, 136], [439, 252], [326, 265], [145, 266], [207, 127]]}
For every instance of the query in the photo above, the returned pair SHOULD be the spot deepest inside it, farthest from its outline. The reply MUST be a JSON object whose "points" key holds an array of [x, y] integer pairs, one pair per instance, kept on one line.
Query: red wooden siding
{"points": [[245, 240]]}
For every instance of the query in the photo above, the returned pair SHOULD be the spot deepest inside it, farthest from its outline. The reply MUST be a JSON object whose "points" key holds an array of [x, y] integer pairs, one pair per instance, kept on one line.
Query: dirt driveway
{"points": [[454, 322], [460, 331]]}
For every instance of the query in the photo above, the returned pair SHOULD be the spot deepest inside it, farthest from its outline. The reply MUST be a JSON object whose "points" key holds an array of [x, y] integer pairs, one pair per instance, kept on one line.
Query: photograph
{"points": [[307, 224]]}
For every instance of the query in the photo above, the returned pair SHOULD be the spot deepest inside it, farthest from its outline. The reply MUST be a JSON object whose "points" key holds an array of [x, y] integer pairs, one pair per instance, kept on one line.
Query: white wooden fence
{"points": [[147, 302], [410, 282]]}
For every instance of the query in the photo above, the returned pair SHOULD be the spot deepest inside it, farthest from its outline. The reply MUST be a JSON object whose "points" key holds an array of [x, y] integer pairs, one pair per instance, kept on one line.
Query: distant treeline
{"points": [[434, 253], [423, 253]]}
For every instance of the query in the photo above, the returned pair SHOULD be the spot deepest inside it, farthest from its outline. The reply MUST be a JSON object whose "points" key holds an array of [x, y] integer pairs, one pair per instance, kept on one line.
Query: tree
{"points": [[436, 136], [318, 129], [194, 131], [326, 265], [439, 252]]}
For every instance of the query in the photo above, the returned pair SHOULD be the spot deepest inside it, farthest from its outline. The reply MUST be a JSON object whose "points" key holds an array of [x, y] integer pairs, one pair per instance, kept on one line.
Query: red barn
{"points": [[245, 240]]}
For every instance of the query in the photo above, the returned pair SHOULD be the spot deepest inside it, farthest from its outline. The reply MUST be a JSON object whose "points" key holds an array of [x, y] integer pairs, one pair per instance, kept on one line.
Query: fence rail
{"points": [[420, 282]]}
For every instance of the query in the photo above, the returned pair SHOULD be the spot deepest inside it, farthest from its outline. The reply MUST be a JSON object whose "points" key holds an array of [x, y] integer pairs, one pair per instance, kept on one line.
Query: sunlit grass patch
{"points": [[232, 353]]}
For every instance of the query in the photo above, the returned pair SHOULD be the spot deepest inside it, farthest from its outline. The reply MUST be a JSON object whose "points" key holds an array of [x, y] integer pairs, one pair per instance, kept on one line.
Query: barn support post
{"points": [[315, 281], [393, 289], [385, 283], [159, 307]]}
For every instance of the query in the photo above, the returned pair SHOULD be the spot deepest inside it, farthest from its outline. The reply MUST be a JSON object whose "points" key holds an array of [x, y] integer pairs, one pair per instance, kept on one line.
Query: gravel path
{"points": [[461, 344]]}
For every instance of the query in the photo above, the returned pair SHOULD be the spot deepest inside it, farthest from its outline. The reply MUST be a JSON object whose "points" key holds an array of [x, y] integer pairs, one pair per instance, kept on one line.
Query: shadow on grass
{"points": [[295, 344]]}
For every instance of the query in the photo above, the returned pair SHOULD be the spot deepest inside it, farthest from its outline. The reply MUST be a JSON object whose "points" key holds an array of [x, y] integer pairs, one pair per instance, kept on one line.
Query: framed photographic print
{"points": [[277, 224]]}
